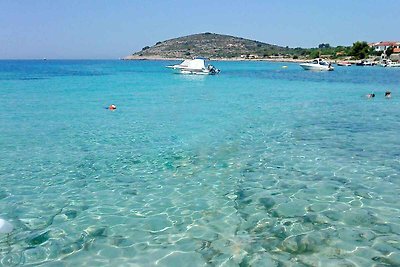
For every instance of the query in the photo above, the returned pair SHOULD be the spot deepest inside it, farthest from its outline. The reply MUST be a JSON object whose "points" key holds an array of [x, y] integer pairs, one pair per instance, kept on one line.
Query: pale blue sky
{"points": [[103, 29]]}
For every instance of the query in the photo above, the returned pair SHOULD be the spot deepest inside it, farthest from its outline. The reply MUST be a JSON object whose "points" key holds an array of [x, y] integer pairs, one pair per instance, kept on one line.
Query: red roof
{"points": [[386, 44]]}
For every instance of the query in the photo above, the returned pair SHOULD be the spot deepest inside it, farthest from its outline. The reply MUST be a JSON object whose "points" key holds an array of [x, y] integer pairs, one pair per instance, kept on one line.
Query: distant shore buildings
{"points": [[250, 56], [384, 45]]}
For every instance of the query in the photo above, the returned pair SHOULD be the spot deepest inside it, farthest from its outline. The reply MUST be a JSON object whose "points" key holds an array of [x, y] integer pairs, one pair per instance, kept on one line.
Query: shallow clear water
{"points": [[258, 166]]}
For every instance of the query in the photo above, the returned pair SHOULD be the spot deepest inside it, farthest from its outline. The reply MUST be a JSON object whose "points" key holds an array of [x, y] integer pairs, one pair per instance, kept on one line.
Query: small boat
{"points": [[195, 66], [394, 65], [389, 63], [384, 62], [317, 64], [344, 64], [366, 63]]}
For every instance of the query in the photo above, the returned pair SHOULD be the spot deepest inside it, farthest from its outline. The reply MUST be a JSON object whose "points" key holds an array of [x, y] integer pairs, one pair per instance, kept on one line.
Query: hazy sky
{"points": [[116, 28]]}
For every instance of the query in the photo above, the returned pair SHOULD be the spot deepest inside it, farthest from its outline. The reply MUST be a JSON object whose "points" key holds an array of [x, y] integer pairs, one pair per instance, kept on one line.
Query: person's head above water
{"points": [[388, 94], [112, 107]]}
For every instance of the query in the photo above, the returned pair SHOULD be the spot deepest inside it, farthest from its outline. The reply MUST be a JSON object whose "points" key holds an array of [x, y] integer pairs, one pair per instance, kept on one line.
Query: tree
{"points": [[389, 51], [315, 53], [324, 45], [359, 50]]}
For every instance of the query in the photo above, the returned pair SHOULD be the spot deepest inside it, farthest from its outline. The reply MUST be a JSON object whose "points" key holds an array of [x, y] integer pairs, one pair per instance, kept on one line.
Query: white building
{"points": [[382, 46]]}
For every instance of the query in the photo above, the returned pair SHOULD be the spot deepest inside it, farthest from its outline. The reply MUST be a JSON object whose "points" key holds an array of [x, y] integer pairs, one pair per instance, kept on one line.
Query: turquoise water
{"points": [[258, 166]]}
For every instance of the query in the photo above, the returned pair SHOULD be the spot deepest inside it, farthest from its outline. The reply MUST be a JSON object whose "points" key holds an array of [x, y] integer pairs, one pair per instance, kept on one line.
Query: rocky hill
{"points": [[209, 45]]}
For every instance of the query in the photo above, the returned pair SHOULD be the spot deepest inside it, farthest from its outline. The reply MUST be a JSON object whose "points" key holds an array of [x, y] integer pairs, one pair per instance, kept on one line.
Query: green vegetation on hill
{"points": [[360, 50], [216, 46], [210, 45]]}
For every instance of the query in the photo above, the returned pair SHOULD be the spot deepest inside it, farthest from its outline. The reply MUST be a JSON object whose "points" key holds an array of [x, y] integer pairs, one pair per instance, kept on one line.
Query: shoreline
{"points": [[218, 59], [283, 60]]}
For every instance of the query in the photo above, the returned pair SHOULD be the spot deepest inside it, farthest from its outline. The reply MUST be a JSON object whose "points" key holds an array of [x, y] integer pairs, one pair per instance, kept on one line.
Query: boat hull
{"points": [[393, 65], [196, 72], [315, 67], [366, 64]]}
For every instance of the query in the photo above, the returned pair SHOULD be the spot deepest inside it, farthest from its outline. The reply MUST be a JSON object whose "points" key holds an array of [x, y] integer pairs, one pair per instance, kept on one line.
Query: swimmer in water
{"points": [[371, 95], [112, 107], [388, 94]]}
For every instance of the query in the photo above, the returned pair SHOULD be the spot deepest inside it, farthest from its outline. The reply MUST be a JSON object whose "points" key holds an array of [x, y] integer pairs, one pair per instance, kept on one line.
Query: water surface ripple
{"points": [[258, 166]]}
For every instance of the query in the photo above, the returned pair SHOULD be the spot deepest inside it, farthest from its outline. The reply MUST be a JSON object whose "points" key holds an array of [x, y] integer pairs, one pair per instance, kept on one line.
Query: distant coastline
{"points": [[277, 59], [216, 59], [230, 48]]}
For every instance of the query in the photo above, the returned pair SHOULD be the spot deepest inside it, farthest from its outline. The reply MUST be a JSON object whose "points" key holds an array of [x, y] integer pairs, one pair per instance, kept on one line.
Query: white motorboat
{"points": [[394, 65], [389, 63], [344, 64], [195, 66], [366, 63], [317, 64]]}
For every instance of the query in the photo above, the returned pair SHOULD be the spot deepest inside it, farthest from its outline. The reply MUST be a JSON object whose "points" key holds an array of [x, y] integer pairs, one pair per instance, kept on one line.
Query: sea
{"points": [[264, 164]]}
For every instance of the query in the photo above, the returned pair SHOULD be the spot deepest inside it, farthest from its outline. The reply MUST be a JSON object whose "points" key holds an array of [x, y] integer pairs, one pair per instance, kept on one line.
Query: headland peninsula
{"points": [[230, 48]]}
